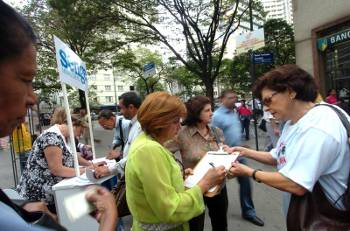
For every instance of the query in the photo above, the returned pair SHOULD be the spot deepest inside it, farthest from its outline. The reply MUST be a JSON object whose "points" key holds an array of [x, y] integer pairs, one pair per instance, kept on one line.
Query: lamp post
{"points": [[252, 74]]}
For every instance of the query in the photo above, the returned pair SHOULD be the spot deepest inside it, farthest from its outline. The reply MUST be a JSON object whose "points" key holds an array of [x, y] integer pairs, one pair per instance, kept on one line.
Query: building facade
{"points": [[109, 85], [278, 9], [322, 37]]}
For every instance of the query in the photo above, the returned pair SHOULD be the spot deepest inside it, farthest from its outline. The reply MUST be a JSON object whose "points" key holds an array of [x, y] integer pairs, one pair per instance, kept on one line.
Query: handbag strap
{"points": [[343, 118], [27, 216]]}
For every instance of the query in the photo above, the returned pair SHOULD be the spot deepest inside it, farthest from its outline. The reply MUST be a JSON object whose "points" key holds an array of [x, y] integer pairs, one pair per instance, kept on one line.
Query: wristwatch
{"points": [[253, 175]]}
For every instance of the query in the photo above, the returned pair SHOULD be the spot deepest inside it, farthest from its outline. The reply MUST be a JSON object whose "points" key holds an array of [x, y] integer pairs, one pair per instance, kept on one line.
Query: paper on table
{"points": [[218, 158]]}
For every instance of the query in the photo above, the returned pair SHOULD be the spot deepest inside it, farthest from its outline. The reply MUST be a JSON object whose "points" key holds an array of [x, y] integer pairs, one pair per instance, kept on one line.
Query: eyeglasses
{"points": [[267, 101]]}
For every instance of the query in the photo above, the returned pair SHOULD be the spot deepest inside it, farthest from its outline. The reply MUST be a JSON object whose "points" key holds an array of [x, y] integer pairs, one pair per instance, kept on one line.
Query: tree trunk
{"points": [[209, 89], [82, 99]]}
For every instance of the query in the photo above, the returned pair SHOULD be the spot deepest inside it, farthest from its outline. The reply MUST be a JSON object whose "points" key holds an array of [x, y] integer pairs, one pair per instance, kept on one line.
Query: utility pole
{"points": [[115, 89], [252, 74]]}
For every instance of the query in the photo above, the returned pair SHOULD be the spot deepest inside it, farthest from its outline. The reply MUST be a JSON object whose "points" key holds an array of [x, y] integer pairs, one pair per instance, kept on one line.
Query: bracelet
{"points": [[253, 175]]}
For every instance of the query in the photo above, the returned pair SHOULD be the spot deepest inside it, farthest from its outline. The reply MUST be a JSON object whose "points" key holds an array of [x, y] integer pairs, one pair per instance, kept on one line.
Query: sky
{"points": [[14, 3]]}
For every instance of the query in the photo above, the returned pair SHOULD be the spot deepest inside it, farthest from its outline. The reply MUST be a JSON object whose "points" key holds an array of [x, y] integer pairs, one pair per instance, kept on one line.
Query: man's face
{"points": [[126, 111], [107, 124], [16, 90], [229, 100]]}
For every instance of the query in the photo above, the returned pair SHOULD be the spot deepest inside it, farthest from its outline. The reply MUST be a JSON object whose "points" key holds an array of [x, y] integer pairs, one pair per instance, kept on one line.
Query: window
{"points": [[92, 78], [108, 88], [106, 77], [120, 88], [108, 99]]}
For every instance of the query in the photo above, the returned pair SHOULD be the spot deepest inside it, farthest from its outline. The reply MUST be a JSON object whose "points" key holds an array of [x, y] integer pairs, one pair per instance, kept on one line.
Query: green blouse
{"points": [[155, 189]]}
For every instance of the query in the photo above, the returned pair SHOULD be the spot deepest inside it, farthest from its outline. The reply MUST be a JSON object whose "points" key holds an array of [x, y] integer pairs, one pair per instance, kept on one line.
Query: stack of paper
{"points": [[217, 159]]}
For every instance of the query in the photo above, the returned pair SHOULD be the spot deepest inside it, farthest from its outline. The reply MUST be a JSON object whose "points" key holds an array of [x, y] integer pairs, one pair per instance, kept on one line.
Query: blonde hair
{"points": [[158, 111], [60, 117]]}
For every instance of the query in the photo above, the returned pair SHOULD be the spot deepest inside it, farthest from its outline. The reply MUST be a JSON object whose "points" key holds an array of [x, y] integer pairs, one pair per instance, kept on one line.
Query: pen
{"points": [[212, 164]]}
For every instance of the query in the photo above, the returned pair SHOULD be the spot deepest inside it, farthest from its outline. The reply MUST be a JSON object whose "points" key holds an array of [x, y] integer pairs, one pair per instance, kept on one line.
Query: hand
{"points": [[88, 147], [106, 209], [239, 169], [114, 154], [242, 151], [82, 170], [39, 206], [276, 131], [213, 177], [101, 171], [188, 172]]}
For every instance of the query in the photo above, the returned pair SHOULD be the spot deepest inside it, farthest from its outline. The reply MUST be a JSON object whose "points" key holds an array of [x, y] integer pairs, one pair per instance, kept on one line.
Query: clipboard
{"points": [[218, 158]]}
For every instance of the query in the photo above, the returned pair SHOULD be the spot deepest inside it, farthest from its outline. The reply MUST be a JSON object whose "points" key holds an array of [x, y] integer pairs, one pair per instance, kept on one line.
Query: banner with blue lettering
{"points": [[71, 68]]}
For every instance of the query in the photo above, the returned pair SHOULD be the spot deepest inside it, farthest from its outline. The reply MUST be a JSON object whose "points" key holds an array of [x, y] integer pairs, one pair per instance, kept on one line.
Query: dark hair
{"points": [[131, 98], [105, 114], [15, 33], [285, 77], [194, 107], [225, 92]]}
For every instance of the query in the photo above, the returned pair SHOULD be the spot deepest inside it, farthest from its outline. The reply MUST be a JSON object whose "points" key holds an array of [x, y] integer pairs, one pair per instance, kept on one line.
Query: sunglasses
{"points": [[267, 101]]}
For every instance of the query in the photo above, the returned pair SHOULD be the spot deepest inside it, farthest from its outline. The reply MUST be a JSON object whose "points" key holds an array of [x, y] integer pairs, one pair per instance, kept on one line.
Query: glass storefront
{"points": [[337, 67]]}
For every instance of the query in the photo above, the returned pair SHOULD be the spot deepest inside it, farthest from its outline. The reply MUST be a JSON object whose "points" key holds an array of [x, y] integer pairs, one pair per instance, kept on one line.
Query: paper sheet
{"points": [[217, 158]]}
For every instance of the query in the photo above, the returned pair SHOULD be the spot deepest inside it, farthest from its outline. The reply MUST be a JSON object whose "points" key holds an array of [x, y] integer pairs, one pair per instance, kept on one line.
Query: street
{"points": [[266, 199]]}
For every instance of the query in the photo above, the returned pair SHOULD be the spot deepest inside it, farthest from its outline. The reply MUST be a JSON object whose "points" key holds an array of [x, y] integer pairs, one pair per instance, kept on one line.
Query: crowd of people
{"points": [[311, 154]]}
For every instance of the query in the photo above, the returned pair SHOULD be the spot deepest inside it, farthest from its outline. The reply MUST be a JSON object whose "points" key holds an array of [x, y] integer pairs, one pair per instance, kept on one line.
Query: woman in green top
{"points": [[155, 189]]}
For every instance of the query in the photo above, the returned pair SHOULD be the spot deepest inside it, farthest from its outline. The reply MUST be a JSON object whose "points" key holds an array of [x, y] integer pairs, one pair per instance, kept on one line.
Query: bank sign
{"points": [[324, 43], [71, 68]]}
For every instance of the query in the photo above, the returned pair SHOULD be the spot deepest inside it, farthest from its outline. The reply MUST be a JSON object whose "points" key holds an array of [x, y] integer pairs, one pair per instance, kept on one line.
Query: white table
{"points": [[69, 187]]}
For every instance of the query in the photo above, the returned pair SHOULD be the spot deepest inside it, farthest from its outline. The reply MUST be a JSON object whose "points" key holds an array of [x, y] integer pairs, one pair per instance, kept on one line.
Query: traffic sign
{"points": [[149, 69], [263, 58]]}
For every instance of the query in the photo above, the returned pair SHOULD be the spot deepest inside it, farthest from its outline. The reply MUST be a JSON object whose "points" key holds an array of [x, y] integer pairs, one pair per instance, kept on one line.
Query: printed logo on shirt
{"points": [[281, 154]]}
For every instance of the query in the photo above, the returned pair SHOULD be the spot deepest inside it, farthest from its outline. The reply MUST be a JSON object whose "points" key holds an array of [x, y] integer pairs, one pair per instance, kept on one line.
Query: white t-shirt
{"points": [[315, 148]]}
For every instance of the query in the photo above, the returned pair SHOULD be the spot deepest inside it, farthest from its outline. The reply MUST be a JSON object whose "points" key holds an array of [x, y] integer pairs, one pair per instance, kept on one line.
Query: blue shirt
{"points": [[227, 120], [10, 220]]}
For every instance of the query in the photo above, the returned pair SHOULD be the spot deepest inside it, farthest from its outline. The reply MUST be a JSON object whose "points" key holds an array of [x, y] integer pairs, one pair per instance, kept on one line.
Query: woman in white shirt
{"points": [[312, 151]]}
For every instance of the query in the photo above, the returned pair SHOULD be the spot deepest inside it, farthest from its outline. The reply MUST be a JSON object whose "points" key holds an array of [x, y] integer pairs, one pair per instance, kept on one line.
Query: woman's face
{"points": [[206, 114], [279, 104], [16, 90], [173, 128]]}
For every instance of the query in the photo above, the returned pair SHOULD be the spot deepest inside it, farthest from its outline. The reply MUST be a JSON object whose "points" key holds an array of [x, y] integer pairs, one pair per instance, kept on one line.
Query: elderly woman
{"points": [[155, 189], [50, 161], [194, 140], [312, 152]]}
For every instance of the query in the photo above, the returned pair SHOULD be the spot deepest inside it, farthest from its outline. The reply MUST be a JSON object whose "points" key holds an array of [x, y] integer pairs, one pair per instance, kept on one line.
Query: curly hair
{"points": [[285, 77]]}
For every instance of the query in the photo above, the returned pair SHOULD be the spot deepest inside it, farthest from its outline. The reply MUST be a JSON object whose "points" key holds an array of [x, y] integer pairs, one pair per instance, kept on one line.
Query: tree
{"points": [[205, 27], [132, 62], [279, 39], [80, 24]]}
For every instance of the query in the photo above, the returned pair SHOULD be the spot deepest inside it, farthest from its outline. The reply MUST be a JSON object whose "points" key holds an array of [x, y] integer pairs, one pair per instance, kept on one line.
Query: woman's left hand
{"points": [[239, 169], [188, 172]]}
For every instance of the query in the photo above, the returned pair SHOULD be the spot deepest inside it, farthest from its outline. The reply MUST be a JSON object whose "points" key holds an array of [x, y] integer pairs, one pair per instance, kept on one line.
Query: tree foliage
{"points": [[132, 62], [83, 26]]}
